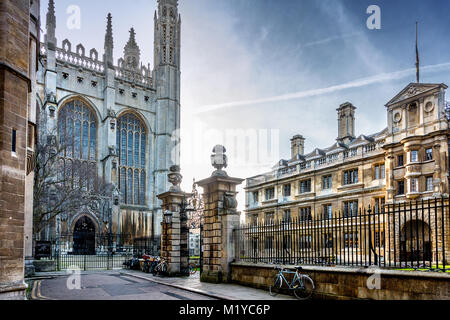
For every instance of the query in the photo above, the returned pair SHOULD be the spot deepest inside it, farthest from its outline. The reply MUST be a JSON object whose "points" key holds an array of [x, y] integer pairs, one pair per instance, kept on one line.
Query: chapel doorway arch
{"points": [[84, 237]]}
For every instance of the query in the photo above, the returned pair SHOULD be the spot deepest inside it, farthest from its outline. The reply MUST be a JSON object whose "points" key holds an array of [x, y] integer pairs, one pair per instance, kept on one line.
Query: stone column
{"points": [[174, 238], [390, 187], [437, 186], [220, 218]]}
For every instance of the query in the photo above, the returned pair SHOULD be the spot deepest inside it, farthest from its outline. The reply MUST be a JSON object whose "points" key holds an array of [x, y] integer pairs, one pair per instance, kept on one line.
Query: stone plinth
{"points": [[220, 218]]}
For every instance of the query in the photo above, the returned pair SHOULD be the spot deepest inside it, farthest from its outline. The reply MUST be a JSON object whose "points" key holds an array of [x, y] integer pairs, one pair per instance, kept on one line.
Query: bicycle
{"points": [[160, 268], [302, 285], [192, 268]]}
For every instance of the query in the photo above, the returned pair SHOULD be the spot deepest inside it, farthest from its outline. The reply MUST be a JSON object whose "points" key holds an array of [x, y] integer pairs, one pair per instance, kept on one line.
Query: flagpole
{"points": [[417, 54]]}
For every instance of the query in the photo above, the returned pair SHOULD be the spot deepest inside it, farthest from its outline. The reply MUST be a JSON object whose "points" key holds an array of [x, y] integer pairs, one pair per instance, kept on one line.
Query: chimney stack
{"points": [[297, 146], [346, 123]]}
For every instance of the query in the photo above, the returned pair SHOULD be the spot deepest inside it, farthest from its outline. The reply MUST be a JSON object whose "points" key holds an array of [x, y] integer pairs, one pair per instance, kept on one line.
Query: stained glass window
{"points": [[131, 139], [77, 130]]}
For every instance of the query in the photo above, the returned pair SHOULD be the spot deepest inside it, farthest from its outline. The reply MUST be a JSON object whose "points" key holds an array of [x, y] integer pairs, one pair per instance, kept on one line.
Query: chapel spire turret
{"points": [[167, 34], [132, 53], [109, 42], [50, 37]]}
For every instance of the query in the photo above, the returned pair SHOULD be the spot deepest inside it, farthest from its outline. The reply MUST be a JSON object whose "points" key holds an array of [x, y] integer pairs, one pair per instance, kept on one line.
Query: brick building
{"points": [[19, 34]]}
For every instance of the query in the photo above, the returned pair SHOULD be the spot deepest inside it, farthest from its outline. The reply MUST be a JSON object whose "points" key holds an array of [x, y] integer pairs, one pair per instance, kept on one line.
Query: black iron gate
{"points": [[201, 249], [90, 251]]}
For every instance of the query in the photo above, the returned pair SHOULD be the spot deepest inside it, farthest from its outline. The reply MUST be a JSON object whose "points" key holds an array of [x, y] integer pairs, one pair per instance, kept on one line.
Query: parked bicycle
{"points": [[132, 264], [301, 285], [193, 268], [161, 267]]}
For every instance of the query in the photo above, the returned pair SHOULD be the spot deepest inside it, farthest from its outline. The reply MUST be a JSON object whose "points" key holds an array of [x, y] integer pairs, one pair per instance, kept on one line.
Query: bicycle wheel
{"points": [[274, 290], [192, 269], [304, 288]]}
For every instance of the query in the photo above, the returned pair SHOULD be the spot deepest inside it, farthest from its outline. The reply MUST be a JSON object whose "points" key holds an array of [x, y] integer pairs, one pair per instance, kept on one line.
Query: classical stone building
{"points": [[407, 161], [122, 116], [19, 34]]}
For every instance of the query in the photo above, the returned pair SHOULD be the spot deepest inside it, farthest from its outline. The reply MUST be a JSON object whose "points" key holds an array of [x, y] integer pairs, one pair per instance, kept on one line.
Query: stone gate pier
{"points": [[220, 218], [175, 234]]}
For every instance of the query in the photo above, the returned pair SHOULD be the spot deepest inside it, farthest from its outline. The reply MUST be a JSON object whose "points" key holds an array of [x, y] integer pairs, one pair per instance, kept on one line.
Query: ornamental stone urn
{"points": [[175, 178], [219, 160]]}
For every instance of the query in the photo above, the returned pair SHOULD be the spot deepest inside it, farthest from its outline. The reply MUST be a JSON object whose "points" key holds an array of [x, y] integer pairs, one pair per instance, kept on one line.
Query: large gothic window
{"points": [[77, 131], [131, 146]]}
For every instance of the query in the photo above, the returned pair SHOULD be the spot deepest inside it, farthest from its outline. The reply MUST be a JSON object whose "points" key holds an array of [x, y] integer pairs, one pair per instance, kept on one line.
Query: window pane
{"points": [[142, 189], [118, 131], [130, 187], [131, 141], [130, 149], [123, 152], [136, 187], [85, 140], [77, 140], [69, 135], [93, 142], [136, 150], [143, 150], [123, 180]]}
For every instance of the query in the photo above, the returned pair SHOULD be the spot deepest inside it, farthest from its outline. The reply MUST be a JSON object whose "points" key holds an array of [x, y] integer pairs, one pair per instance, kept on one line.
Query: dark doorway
{"points": [[84, 237], [415, 242]]}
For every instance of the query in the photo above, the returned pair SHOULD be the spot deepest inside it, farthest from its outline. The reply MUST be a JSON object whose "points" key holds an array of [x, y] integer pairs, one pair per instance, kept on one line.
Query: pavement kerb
{"points": [[204, 293]]}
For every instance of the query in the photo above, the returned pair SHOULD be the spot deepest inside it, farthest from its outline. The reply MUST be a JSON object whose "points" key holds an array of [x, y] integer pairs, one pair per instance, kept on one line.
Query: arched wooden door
{"points": [[84, 237]]}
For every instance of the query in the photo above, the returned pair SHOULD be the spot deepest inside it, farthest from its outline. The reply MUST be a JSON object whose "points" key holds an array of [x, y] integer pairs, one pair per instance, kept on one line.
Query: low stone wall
{"points": [[344, 283], [44, 265]]}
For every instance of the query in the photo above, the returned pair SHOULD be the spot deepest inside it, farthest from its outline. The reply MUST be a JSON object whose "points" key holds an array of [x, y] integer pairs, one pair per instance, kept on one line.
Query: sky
{"points": [[257, 72]]}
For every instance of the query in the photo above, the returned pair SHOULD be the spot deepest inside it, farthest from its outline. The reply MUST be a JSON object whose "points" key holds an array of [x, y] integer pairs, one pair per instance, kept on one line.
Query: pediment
{"points": [[414, 90]]}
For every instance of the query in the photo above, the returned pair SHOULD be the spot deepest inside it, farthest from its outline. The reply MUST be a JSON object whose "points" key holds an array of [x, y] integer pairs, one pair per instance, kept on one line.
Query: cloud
{"points": [[383, 77], [330, 39]]}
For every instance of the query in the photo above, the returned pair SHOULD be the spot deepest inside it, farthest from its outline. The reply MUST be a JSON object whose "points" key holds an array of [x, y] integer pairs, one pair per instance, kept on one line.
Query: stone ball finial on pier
{"points": [[175, 178], [219, 160]]}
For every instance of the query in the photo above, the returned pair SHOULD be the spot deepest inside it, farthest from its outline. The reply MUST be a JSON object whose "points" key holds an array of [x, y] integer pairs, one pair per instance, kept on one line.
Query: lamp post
{"points": [[168, 215]]}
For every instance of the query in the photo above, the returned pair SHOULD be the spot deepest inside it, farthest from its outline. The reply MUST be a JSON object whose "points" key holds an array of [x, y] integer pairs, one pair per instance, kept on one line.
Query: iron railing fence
{"points": [[90, 251], [149, 245], [410, 235]]}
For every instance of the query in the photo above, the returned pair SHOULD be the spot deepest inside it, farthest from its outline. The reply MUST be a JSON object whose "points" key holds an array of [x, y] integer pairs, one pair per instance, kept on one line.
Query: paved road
{"points": [[109, 286]]}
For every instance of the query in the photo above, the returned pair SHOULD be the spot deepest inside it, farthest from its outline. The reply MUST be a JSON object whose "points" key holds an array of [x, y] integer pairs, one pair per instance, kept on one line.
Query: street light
{"points": [[168, 217]]}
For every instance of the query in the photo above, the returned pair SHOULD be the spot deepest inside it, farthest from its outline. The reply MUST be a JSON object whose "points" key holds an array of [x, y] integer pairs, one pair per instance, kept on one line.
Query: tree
{"points": [[62, 187]]}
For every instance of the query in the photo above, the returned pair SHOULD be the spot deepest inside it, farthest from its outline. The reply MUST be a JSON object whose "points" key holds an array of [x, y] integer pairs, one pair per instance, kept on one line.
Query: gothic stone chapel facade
{"points": [[122, 118]]}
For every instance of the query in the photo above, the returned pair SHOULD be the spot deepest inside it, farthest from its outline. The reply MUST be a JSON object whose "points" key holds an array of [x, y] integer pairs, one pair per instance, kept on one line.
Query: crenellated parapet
{"points": [[79, 60]]}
